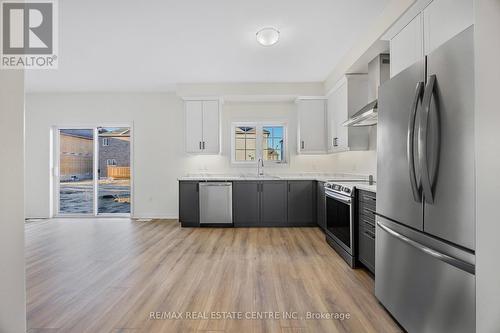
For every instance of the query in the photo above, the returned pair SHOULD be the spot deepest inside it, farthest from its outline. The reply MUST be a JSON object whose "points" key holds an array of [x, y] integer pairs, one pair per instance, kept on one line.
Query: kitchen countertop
{"points": [[303, 176], [367, 187]]}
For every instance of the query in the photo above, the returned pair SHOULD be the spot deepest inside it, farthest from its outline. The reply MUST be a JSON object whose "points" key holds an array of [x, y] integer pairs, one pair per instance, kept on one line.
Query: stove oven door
{"points": [[339, 216]]}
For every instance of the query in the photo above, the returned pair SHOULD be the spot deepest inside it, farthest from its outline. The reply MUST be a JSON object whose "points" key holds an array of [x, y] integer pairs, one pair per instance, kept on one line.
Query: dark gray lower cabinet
{"points": [[321, 205], [189, 208], [273, 203], [259, 203], [301, 203], [246, 204], [366, 229], [269, 203]]}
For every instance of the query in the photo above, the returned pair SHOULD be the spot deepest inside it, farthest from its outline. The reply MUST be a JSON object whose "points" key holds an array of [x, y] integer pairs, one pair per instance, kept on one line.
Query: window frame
{"points": [[113, 162], [259, 153]]}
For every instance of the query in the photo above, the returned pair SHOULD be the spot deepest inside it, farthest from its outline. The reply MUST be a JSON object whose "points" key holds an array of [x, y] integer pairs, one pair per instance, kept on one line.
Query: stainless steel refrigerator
{"points": [[425, 233]]}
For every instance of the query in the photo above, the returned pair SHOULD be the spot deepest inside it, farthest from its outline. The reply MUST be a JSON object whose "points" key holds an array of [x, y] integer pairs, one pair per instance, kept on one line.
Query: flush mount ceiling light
{"points": [[268, 36]]}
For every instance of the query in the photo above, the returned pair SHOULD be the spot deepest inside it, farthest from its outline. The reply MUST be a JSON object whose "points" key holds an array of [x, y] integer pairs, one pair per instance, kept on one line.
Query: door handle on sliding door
{"points": [[428, 176], [410, 153]]}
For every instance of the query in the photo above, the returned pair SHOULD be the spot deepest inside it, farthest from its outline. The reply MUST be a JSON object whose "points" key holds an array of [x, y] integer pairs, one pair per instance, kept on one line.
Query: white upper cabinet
{"points": [[330, 121], [434, 25], [407, 46], [194, 126], [202, 126], [311, 132], [210, 142], [348, 97], [443, 19]]}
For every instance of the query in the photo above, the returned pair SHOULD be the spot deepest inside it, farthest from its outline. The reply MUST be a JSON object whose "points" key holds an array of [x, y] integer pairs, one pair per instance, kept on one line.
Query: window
{"points": [[253, 141], [105, 142], [272, 143], [245, 143], [111, 161]]}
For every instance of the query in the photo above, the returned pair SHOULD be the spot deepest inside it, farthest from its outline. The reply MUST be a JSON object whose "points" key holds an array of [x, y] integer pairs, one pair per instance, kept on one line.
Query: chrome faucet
{"points": [[260, 167]]}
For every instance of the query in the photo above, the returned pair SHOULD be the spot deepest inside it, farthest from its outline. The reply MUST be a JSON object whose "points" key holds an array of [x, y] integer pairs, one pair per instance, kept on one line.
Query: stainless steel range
{"points": [[340, 198]]}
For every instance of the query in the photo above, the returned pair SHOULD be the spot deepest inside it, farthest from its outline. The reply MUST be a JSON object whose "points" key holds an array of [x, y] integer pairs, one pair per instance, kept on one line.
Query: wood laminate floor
{"points": [[107, 275]]}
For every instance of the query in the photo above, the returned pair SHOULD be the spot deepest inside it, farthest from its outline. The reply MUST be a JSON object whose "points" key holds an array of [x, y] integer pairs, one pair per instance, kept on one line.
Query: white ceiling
{"points": [[124, 45]]}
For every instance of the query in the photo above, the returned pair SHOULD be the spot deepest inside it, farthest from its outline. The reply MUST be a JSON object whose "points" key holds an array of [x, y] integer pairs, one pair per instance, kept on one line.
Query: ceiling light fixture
{"points": [[268, 36]]}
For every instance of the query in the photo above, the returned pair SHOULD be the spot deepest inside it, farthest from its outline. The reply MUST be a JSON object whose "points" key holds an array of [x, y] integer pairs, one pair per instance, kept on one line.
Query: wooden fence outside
{"points": [[118, 172]]}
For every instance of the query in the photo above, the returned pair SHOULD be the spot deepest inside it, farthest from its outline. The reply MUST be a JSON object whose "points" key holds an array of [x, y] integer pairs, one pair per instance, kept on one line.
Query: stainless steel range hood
{"points": [[367, 116], [378, 73]]}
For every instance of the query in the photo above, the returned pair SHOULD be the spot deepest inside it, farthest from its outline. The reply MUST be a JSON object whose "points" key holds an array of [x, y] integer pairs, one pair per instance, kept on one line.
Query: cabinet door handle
{"points": [[199, 144], [289, 187], [302, 145], [203, 145]]}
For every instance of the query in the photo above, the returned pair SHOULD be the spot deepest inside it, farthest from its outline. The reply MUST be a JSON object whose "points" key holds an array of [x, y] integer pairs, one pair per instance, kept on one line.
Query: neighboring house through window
{"points": [[254, 141], [111, 161], [105, 142]]}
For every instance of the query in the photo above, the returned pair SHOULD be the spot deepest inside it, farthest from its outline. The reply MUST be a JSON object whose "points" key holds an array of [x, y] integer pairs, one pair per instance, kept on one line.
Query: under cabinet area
{"points": [[202, 126], [366, 229]]}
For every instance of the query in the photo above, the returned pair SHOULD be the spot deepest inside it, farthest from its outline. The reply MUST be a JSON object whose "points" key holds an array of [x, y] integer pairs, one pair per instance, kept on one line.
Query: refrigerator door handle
{"points": [[410, 154], [460, 264], [423, 134]]}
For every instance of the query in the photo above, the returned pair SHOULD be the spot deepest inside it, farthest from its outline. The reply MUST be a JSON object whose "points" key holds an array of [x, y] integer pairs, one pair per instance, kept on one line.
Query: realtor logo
{"points": [[29, 34]]}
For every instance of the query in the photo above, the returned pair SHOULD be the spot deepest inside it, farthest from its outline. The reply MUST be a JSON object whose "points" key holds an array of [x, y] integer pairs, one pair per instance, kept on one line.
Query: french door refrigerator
{"points": [[425, 250]]}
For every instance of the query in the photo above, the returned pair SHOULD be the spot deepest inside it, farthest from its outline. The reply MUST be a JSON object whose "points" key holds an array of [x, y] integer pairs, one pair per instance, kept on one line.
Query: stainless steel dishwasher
{"points": [[216, 203]]}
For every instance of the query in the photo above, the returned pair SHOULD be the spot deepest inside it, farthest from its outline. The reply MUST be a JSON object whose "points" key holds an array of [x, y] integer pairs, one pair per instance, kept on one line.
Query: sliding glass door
{"points": [[93, 175], [76, 171], [113, 190]]}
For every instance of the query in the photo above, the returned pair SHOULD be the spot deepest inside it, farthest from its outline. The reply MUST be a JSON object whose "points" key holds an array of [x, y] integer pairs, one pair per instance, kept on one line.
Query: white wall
{"points": [[487, 68], [12, 277], [157, 143], [159, 156]]}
